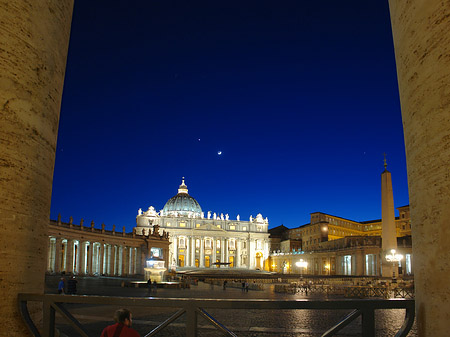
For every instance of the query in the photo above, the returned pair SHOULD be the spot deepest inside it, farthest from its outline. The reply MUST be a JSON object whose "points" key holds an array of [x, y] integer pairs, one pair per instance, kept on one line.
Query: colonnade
{"points": [[203, 251], [92, 258]]}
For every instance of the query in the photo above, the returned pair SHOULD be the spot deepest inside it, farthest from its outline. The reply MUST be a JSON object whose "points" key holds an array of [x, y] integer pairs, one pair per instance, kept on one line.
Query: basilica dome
{"points": [[182, 204]]}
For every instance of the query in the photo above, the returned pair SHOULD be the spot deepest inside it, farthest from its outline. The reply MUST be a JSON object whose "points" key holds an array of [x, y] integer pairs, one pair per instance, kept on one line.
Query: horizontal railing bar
{"points": [[397, 303]]}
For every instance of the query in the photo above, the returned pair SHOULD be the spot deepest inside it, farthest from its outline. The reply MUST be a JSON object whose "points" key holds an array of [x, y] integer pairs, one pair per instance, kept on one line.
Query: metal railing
{"points": [[193, 308]]}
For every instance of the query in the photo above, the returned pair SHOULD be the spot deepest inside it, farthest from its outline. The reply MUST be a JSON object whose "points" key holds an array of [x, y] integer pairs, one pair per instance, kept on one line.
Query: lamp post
{"points": [[301, 264], [395, 259]]}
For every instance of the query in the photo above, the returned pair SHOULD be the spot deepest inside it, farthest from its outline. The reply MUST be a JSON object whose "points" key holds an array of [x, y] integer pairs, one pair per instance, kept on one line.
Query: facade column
{"points": [[69, 256], [222, 250], [214, 250], [193, 251], [187, 259], [50, 255], [238, 254], [251, 254], [420, 30], [175, 250], [202, 252], [227, 258]]}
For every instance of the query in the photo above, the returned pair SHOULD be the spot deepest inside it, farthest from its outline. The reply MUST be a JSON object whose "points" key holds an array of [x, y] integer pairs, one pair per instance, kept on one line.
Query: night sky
{"points": [[300, 97]]}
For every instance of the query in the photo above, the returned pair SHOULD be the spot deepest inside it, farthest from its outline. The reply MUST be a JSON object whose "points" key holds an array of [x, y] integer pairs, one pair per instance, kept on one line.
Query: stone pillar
{"points": [[124, 261], [58, 255], [50, 261], [69, 256], [422, 45], [226, 250], [214, 250], [251, 254], [360, 263], [102, 259], [133, 261], [237, 258], [90, 259], [202, 252], [193, 251], [81, 263], [175, 250], [34, 41], [222, 250], [187, 259]]}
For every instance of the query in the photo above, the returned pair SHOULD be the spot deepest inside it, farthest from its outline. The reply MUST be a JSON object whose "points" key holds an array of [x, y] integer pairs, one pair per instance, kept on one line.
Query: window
{"points": [[347, 265], [218, 226], [244, 228], [208, 243], [182, 242], [197, 225], [232, 244], [182, 224], [197, 243], [218, 244], [155, 252], [232, 227]]}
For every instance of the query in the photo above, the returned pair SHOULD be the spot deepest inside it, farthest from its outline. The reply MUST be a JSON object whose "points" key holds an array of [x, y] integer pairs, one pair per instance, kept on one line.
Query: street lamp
{"points": [[395, 259], [301, 264]]}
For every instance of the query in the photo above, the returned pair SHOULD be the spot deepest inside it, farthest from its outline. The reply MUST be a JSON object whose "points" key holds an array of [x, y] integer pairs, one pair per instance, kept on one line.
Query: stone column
{"points": [[124, 261], [251, 254], [214, 250], [226, 250], [69, 256], [58, 255], [133, 261], [90, 258], [113, 263], [222, 250], [102, 259], [175, 250], [193, 251], [237, 257], [202, 252], [34, 41], [188, 251], [422, 45], [50, 261]]}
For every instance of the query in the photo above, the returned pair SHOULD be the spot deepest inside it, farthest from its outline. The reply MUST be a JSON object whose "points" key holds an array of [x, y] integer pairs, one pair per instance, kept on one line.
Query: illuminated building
{"points": [[207, 241]]}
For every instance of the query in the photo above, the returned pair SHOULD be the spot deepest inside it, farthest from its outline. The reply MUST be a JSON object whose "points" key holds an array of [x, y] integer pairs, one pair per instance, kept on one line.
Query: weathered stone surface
{"points": [[422, 49], [33, 49]]}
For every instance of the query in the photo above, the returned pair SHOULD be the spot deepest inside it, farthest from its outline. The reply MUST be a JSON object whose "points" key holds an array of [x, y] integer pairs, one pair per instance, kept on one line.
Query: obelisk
{"points": [[388, 230]]}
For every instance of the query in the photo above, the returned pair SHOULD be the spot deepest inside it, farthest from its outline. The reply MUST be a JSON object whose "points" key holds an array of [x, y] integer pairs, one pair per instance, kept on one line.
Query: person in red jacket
{"points": [[122, 328]]}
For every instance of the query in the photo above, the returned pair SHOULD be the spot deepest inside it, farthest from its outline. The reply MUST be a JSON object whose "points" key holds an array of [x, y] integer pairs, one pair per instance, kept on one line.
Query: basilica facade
{"points": [[208, 240]]}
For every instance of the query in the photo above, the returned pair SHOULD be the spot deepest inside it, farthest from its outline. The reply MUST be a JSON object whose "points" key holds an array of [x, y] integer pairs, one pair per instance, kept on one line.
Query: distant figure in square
{"points": [[61, 286], [122, 328], [225, 284], [155, 286], [72, 286], [149, 285], [246, 286]]}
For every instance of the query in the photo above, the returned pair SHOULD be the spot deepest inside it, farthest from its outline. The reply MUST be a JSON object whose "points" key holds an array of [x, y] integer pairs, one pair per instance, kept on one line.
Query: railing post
{"points": [[191, 321], [48, 319], [368, 322]]}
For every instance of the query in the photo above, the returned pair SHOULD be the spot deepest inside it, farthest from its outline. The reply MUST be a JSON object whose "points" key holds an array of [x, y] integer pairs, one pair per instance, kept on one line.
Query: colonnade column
{"points": [[226, 250], [34, 40], [69, 256], [82, 263], [202, 252], [251, 254], [90, 258], [124, 261], [102, 259], [58, 255], [421, 40]]}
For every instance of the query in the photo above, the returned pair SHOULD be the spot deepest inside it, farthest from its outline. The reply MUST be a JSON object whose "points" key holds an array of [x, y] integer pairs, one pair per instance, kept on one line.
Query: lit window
{"points": [[197, 225], [232, 245], [244, 228], [218, 244], [182, 224], [208, 243], [232, 227], [218, 226], [168, 224], [197, 243], [182, 243]]}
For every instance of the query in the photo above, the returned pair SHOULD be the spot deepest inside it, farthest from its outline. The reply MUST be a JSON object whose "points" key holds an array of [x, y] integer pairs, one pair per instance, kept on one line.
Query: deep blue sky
{"points": [[300, 96]]}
